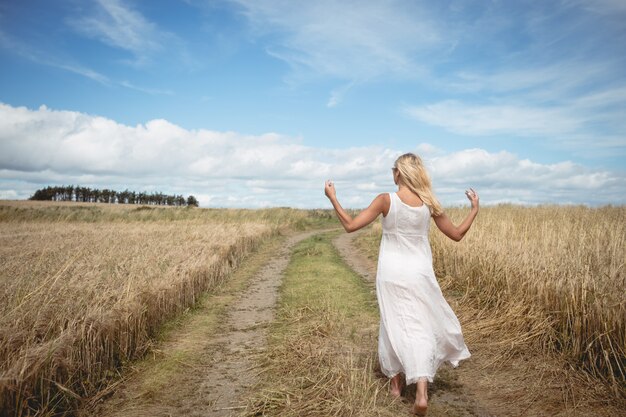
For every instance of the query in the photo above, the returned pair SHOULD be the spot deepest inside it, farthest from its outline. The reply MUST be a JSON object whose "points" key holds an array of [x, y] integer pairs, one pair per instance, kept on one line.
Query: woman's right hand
{"points": [[473, 197], [329, 189]]}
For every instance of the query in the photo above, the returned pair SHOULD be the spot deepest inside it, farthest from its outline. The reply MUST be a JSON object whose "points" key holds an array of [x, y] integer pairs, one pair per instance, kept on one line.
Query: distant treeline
{"points": [[94, 195]]}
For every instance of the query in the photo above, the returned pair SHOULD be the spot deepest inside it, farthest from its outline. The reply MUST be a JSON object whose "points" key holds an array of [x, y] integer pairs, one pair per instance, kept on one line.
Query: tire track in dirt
{"points": [[246, 334], [215, 383]]}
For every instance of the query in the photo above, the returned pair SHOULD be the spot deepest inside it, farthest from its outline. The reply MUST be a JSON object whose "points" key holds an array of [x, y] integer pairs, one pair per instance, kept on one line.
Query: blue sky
{"points": [[254, 103]]}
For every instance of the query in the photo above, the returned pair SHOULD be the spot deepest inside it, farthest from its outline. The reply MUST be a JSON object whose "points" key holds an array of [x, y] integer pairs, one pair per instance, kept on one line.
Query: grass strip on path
{"points": [[321, 359]]}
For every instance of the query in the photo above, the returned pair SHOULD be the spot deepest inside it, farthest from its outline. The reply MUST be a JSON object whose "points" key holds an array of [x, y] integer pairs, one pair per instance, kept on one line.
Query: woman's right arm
{"points": [[364, 218], [456, 233]]}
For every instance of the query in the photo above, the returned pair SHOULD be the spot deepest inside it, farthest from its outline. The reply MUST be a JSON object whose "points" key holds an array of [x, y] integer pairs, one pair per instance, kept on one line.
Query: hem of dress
{"points": [[430, 378], [455, 362], [415, 379]]}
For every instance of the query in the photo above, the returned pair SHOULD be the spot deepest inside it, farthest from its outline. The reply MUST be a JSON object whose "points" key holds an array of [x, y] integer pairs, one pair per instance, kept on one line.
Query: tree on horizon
{"points": [[95, 195]]}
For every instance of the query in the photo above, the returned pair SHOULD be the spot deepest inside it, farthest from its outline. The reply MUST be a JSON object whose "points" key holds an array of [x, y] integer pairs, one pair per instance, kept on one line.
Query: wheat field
{"points": [[85, 287], [554, 275]]}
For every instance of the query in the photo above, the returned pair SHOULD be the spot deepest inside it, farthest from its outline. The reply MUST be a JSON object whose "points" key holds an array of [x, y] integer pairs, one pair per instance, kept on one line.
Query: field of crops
{"points": [[553, 275], [84, 287]]}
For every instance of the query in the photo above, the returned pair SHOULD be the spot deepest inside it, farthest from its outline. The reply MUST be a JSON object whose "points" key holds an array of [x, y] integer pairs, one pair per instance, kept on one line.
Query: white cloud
{"points": [[540, 82], [151, 91], [596, 118], [8, 195], [41, 57], [117, 25], [33, 54], [336, 96], [604, 6], [517, 120], [428, 150], [367, 186], [478, 165], [504, 177], [553, 71], [354, 40], [43, 146]]}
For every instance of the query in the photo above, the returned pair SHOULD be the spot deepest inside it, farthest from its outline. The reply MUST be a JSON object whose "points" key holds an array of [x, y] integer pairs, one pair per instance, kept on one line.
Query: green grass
{"points": [[321, 359], [317, 275]]}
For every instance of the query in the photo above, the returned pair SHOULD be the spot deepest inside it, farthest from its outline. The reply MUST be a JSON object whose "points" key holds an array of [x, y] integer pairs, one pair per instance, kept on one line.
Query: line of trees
{"points": [[94, 195]]}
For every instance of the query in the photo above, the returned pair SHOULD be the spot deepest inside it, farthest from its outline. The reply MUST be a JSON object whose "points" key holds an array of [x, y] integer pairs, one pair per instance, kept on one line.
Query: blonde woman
{"points": [[418, 329]]}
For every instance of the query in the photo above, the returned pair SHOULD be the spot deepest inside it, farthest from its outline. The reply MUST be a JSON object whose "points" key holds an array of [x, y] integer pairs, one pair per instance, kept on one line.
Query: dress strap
{"points": [[389, 221], [394, 205]]}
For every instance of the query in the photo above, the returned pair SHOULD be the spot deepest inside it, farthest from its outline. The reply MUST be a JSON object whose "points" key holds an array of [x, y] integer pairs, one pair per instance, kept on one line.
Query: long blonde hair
{"points": [[413, 174]]}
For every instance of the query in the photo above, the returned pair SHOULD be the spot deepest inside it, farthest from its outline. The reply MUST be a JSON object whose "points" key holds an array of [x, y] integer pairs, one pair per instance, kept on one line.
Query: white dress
{"points": [[418, 329]]}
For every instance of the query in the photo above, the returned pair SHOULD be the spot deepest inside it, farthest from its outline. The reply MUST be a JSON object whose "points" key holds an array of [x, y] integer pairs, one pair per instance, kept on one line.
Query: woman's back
{"points": [[411, 222], [404, 247]]}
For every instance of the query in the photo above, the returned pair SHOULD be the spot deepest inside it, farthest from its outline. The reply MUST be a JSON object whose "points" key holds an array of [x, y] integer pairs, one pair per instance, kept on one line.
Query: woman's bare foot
{"points": [[396, 386], [420, 406]]}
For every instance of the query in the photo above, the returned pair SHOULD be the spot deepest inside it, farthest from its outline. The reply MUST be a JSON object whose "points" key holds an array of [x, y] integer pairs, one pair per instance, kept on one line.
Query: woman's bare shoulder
{"points": [[384, 202], [382, 198]]}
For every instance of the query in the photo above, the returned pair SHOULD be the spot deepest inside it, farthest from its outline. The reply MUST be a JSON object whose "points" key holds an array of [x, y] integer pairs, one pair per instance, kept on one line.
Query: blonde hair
{"points": [[413, 174]]}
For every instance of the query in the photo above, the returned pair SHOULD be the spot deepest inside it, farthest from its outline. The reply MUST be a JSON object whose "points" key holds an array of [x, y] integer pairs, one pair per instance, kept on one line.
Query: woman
{"points": [[418, 329]]}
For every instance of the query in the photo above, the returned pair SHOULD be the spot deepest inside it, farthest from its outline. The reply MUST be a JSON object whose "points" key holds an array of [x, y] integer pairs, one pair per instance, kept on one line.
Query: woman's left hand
{"points": [[473, 197], [329, 189]]}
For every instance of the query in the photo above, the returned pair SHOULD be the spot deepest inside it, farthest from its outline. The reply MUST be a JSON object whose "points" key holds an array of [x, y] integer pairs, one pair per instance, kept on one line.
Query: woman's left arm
{"points": [[364, 218], [457, 233]]}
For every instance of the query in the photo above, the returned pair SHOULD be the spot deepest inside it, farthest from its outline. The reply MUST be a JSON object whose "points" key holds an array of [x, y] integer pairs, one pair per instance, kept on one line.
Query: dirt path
{"points": [[244, 334], [492, 383], [214, 376]]}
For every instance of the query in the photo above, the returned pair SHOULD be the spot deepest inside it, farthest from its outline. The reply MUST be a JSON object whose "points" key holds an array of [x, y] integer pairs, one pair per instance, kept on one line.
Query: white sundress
{"points": [[418, 329]]}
